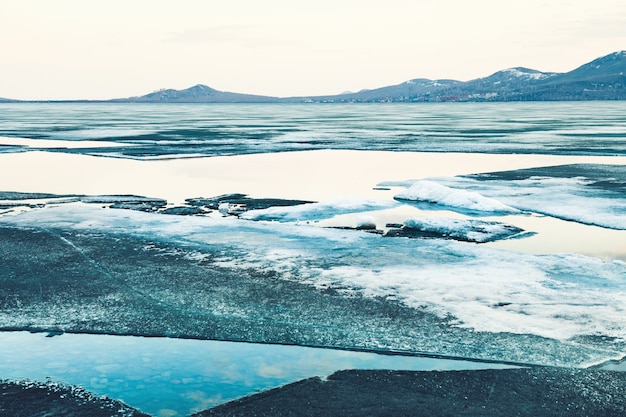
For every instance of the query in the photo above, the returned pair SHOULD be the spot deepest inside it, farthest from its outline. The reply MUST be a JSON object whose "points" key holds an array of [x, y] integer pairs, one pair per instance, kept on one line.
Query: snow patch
{"points": [[317, 211], [533, 75], [365, 222], [441, 195]]}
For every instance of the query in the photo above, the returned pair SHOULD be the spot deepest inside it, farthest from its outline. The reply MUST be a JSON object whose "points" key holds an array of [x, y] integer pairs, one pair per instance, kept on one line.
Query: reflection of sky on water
{"points": [[352, 174], [160, 374], [561, 236], [57, 143]]}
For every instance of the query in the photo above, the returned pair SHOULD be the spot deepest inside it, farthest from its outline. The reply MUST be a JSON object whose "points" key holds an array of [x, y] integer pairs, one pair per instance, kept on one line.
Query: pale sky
{"points": [[96, 49]]}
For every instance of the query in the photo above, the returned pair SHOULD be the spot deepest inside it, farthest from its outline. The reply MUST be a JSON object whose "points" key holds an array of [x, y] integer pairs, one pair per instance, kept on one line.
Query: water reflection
{"points": [[176, 377]]}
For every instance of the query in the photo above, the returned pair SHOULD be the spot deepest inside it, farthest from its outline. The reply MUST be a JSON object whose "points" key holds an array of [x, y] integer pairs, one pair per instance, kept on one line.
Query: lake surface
{"points": [[147, 131], [517, 215]]}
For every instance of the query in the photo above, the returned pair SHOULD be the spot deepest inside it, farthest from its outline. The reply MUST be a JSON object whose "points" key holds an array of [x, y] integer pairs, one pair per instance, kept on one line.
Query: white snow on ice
{"points": [[317, 211], [441, 195], [563, 198], [554, 296]]}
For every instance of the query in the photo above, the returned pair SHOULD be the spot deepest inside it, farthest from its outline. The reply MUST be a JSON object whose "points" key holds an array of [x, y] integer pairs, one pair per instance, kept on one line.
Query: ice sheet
{"points": [[554, 296], [592, 128], [581, 199]]}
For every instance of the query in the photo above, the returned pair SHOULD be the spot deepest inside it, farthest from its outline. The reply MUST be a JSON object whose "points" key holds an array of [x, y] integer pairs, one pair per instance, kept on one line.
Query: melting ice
{"points": [[595, 196], [553, 296], [434, 193], [317, 211], [564, 297]]}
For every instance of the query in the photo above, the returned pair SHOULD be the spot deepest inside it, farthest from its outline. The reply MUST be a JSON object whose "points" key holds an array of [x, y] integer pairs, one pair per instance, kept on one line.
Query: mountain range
{"points": [[603, 78]]}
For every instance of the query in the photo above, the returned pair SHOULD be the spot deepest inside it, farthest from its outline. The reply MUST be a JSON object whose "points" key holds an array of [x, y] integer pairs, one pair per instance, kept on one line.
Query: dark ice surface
{"points": [[536, 392], [243, 200], [42, 399], [94, 282], [603, 177]]}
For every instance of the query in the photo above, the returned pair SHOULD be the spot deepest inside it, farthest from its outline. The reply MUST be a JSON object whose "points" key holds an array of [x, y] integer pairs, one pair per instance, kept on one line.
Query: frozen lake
{"points": [[483, 231]]}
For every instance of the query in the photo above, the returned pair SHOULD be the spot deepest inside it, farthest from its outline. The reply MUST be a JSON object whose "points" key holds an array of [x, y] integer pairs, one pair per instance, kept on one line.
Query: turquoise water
{"points": [[176, 377]]}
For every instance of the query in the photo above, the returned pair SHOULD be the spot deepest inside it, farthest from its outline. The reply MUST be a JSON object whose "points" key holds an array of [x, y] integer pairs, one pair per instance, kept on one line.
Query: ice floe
{"points": [[471, 230], [317, 211], [447, 197], [585, 193]]}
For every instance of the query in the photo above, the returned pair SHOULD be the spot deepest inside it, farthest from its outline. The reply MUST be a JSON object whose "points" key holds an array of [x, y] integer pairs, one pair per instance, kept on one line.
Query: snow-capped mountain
{"points": [[601, 79]]}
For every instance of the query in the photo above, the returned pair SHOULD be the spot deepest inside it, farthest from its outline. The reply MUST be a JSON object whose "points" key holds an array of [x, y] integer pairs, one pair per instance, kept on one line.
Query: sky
{"points": [[77, 49]]}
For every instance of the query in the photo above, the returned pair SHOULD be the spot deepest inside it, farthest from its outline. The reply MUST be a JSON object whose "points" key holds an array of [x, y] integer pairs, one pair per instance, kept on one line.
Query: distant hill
{"points": [[198, 94], [601, 79], [419, 87]]}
